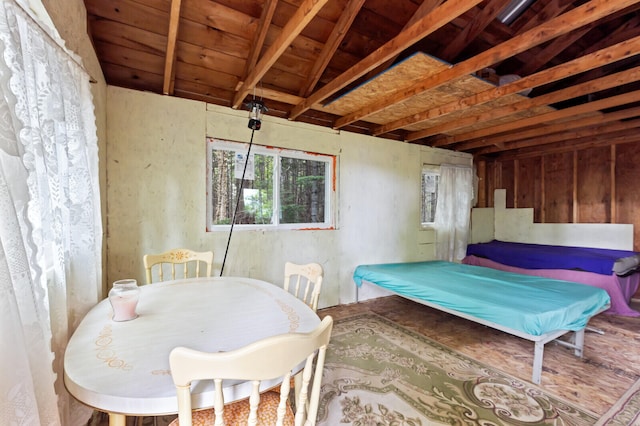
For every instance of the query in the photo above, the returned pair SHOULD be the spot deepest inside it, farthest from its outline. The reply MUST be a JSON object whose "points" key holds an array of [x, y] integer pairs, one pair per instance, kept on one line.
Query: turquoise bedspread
{"points": [[531, 304]]}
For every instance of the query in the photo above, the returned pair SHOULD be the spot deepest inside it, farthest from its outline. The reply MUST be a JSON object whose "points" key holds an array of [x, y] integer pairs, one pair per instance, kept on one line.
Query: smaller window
{"points": [[430, 182]]}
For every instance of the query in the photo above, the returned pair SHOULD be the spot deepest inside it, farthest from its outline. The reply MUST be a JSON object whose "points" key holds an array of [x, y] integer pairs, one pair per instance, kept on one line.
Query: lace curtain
{"points": [[50, 226], [453, 211]]}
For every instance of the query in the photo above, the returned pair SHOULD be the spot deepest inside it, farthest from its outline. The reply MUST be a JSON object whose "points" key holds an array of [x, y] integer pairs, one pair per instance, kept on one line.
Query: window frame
{"points": [[330, 161], [428, 169]]}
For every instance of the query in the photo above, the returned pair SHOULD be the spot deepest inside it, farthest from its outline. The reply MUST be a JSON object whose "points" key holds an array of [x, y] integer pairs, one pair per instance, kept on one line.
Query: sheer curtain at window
{"points": [[50, 226], [453, 211]]}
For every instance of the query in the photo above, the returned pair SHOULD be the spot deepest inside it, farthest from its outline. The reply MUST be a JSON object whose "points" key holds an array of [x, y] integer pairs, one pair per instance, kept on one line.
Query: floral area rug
{"points": [[625, 412], [380, 373]]}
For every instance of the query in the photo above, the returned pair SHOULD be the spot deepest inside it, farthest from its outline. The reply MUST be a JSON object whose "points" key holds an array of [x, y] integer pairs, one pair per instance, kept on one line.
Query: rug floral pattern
{"points": [[379, 373]]}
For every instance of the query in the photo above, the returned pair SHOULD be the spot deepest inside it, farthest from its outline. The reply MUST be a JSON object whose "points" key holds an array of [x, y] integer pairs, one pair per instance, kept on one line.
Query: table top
{"points": [[123, 367]]}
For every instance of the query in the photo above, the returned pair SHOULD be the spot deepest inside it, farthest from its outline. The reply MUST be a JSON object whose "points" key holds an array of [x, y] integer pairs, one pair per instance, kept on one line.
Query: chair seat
{"points": [[237, 413]]}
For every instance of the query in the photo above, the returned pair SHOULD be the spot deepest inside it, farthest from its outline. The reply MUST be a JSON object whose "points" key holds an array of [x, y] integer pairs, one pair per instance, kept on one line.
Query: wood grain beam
{"points": [[620, 137], [596, 59], [580, 16], [425, 26], [478, 138], [303, 15], [170, 57], [568, 130], [481, 20], [268, 10], [425, 8], [331, 45]]}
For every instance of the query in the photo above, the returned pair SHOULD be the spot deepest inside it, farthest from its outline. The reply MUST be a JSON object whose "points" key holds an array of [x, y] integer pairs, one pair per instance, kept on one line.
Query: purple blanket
{"points": [[538, 256]]}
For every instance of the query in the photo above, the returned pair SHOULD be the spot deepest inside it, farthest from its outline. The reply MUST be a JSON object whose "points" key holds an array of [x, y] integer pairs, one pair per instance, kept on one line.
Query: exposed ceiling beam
{"points": [[331, 45], [577, 129], [606, 139], [305, 13], [268, 10], [425, 26], [478, 138], [597, 59], [425, 8], [562, 24], [491, 10], [170, 56]]}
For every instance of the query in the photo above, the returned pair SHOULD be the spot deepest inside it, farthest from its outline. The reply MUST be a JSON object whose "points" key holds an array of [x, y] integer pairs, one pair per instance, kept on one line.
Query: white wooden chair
{"points": [[264, 360], [304, 281], [190, 261]]}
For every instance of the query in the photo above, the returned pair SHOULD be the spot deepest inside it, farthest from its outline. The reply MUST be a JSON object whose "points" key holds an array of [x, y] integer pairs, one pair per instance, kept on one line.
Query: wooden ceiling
{"points": [[403, 70]]}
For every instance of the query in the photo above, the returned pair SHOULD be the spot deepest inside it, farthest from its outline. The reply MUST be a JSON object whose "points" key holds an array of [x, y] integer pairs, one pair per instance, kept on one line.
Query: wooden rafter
{"points": [[478, 138], [450, 51], [597, 59], [425, 8], [170, 57], [261, 34], [577, 17], [425, 26], [307, 10], [331, 45], [577, 129]]}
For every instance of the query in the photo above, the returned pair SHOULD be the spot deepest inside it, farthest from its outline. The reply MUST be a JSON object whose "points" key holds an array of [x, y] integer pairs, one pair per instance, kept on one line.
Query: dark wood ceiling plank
{"points": [[553, 49], [208, 58], [597, 59], [415, 32], [170, 56], [300, 19], [583, 15], [119, 34], [260, 36], [481, 20], [331, 45], [552, 9], [130, 13], [219, 17], [479, 136]]}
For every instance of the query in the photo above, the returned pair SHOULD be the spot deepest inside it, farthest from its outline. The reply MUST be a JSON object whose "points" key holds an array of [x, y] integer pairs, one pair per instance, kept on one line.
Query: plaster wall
{"points": [[156, 193]]}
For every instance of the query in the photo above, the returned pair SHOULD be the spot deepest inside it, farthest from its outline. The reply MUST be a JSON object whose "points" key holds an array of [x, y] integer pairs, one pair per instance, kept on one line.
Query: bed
{"points": [[534, 308], [615, 271]]}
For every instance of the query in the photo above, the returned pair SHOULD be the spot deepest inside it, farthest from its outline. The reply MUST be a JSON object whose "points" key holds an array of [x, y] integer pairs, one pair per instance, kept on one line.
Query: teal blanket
{"points": [[531, 304]]}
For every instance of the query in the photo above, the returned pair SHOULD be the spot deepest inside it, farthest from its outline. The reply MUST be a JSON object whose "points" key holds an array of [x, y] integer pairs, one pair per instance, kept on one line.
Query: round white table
{"points": [[123, 367]]}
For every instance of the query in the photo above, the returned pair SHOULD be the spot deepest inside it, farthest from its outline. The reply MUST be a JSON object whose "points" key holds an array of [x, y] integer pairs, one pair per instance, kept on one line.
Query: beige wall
{"points": [[157, 200], [152, 169]]}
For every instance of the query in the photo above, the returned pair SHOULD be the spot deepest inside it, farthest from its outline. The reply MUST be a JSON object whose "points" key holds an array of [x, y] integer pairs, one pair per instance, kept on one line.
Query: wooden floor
{"points": [[611, 363]]}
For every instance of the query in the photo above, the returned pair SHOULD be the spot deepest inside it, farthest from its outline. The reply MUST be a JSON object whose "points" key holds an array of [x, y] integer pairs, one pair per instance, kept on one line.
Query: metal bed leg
{"points": [[579, 342], [537, 362]]}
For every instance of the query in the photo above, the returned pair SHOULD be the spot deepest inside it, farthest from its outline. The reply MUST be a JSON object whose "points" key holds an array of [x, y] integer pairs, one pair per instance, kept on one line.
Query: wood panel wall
{"points": [[591, 185]]}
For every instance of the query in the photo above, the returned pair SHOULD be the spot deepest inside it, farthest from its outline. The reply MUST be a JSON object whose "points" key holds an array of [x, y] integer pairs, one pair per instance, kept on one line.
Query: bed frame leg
{"points": [[538, 353], [579, 343]]}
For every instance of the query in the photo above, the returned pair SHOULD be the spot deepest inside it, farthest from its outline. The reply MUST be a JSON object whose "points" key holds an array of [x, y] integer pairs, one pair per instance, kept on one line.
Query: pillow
{"points": [[625, 265]]}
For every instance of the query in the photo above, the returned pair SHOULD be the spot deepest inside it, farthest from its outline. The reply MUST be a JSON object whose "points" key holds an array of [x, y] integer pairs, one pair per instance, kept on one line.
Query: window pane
{"points": [[429, 196], [256, 203], [302, 190]]}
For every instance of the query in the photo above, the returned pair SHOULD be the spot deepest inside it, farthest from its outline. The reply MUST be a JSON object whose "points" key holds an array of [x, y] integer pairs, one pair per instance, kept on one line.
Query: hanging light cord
{"points": [[235, 211]]}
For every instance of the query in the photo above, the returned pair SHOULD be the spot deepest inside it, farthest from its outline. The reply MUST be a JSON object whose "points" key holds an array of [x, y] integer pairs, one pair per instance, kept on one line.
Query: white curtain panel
{"points": [[453, 212], [50, 225]]}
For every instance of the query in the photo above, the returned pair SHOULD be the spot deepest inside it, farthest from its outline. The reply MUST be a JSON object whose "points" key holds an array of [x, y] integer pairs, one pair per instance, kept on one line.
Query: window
{"points": [[282, 188], [430, 181]]}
